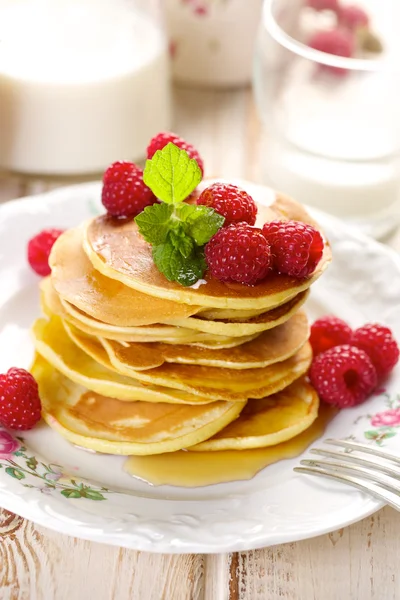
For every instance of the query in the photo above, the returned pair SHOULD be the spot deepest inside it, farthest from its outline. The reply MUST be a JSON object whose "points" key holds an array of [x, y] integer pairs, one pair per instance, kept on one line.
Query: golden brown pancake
{"points": [[117, 250], [210, 382], [268, 421], [108, 300], [108, 425], [98, 375], [271, 346], [53, 343], [239, 327], [53, 305]]}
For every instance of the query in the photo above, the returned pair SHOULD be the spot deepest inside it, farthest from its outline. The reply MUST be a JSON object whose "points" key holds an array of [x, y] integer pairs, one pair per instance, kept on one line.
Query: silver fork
{"points": [[379, 478]]}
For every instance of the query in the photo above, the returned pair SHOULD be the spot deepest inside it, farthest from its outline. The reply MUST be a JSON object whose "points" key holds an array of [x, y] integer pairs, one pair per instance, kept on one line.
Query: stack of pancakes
{"points": [[129, 363]]}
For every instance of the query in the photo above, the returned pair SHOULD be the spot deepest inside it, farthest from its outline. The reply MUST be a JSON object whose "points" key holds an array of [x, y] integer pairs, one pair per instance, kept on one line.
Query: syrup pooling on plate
{"points": [[194, 469]]}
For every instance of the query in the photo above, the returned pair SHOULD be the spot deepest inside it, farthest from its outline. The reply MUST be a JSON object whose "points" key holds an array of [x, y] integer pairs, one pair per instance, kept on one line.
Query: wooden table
{"points": [[356, 563]]}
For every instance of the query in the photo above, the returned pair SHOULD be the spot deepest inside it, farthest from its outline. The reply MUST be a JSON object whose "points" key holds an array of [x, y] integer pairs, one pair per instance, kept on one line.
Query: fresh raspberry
{"points": [[378, 342], [124, 192], [339, 42], [162, 139], [19, 400], [231, 202], [343, 376], [353, 16], [324, 4], [39, 248], [333, 41], [296, 247], [329, 332], [239, 253]]}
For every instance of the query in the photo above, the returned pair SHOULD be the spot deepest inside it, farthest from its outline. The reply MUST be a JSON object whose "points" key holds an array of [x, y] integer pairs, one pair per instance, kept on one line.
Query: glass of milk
{"points": [[332, 123], [82, 83]]}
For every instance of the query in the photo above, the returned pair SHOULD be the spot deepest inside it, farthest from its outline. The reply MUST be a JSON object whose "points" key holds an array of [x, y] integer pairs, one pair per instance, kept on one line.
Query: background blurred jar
{"points": [[212, 41]]}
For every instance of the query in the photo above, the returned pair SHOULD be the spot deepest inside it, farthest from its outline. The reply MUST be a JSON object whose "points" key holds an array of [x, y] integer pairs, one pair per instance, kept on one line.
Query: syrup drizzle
{"points": [[194, 469]]}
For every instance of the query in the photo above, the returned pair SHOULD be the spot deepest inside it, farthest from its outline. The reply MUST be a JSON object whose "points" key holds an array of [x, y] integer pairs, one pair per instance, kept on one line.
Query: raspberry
{"points": [[296, 247], [343, 376], [324, 4], [329, 332], [378, 342], [162, 139], [334, 41], [231, 202], [124, 193], [353, 17], [39, 248], [339, 42], [19, 400], [239, 253]]}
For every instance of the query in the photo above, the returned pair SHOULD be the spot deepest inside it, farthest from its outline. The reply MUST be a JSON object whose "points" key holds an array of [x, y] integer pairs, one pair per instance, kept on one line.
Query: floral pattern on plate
{"points": [[43, 477]]}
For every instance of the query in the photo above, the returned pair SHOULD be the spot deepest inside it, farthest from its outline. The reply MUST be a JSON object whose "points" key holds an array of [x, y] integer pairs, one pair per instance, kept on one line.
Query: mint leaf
{"points": [[203, 224], [154, 222], [192, 269], [185, 211], [171, 174], [182, 242], [200, 222], [166, 258], [175, 267]]}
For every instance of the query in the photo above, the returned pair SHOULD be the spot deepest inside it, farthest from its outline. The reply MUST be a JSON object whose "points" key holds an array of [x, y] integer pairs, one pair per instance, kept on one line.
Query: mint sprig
{"points": [[177, 231], [171, 174]]}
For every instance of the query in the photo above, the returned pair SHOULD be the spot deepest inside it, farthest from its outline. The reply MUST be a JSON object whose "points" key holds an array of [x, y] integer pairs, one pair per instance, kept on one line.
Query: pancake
{"points": [[118, 251], [76, 281], [238, 328], [225, 384], [270, 347], [209, 382], [108, 425], [53, 344], [213, 314], [268, 421], [88, 367], [53, 305]]}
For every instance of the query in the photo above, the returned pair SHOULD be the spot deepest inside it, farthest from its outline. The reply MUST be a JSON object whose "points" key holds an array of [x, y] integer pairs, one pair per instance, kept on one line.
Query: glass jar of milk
{"points": [[332, 123], [82, 83]]}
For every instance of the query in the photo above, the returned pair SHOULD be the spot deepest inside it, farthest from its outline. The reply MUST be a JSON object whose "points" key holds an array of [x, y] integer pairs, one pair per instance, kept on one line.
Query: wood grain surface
{"points": [[359, 562]]}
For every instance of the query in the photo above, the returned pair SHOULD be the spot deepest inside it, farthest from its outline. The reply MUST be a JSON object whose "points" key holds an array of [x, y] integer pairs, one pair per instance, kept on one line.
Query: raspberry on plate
{"points": [[296, 247], [353, 16], [328, 332], [20, 405], [343, 376], [39, 248], [230, 201], [378, 342], [159, 141], [124, 192], [239, 253]]}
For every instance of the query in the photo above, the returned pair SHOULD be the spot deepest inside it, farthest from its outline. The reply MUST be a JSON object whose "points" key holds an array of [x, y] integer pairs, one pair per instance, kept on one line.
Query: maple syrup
{"points": [[194, 469]]}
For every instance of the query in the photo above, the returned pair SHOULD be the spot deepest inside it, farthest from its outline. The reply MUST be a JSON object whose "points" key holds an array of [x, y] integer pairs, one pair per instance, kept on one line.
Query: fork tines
{"points": [[380, 478]]}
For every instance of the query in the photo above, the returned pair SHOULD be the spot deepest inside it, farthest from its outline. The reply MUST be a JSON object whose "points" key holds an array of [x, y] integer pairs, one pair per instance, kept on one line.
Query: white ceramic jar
{"points": [[212, 41], [82, 83]]}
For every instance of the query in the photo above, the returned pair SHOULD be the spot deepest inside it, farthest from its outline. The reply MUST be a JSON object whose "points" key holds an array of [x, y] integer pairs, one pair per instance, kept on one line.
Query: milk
{"points": [[82, 84], [334, 143]]}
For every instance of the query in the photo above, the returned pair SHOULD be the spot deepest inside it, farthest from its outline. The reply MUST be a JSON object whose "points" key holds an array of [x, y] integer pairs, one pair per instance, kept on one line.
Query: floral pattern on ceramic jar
{"points": [[212, 41]]}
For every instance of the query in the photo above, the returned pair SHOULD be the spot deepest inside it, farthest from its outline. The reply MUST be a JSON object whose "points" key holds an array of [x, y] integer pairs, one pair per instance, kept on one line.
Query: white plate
{"points": [[89, 496]]}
